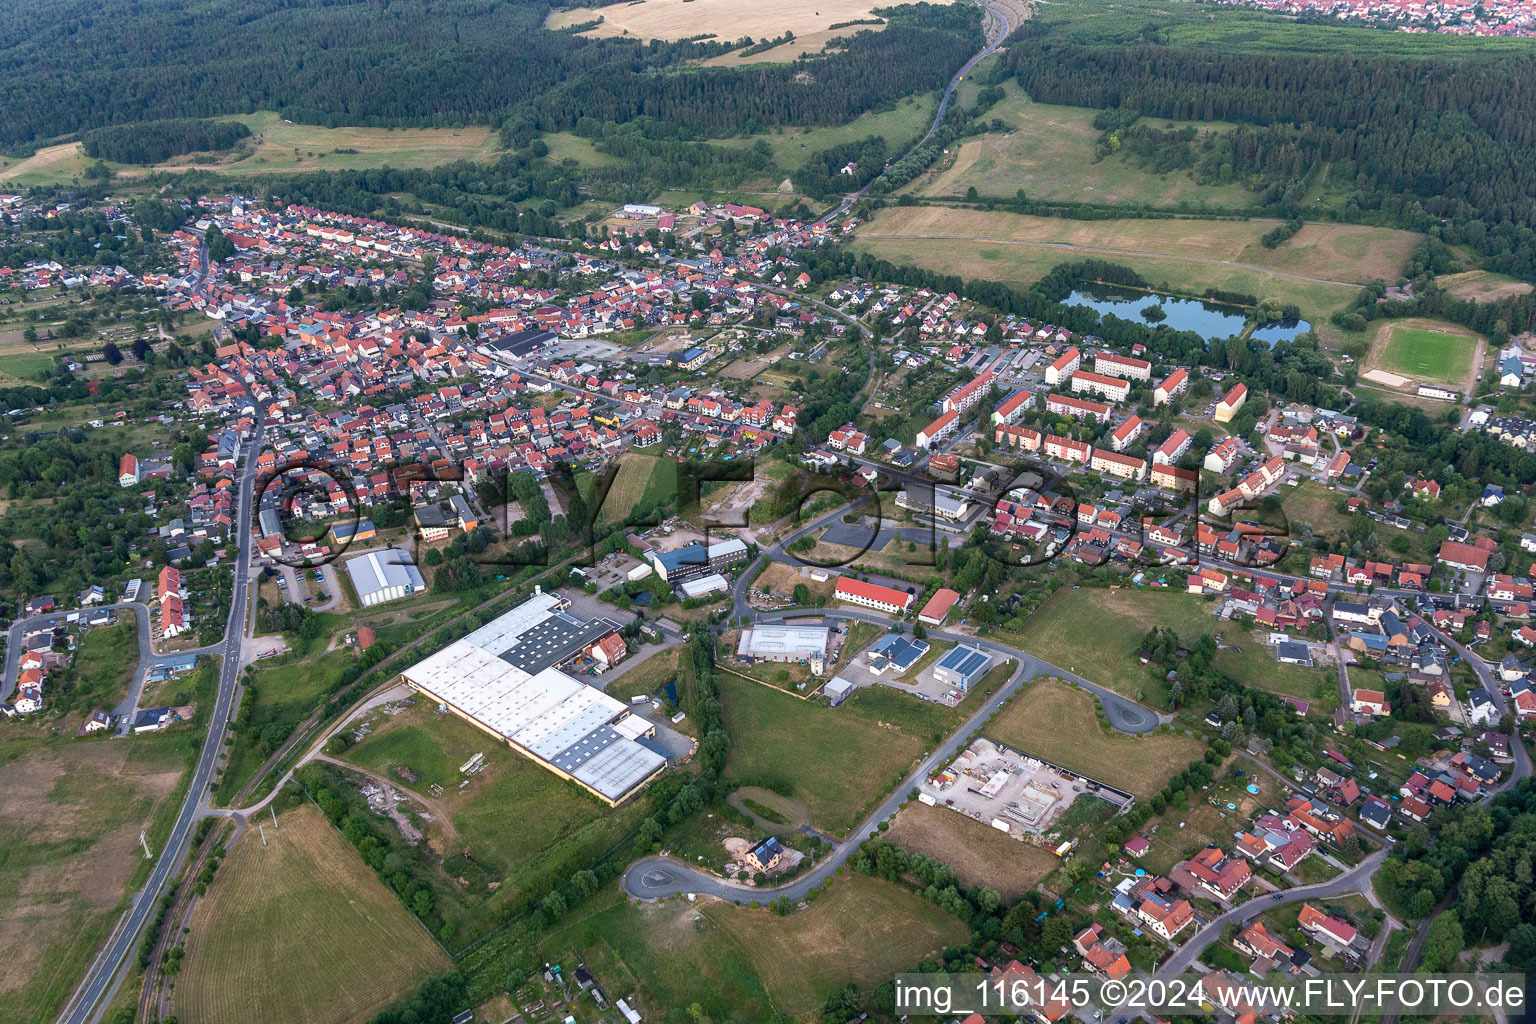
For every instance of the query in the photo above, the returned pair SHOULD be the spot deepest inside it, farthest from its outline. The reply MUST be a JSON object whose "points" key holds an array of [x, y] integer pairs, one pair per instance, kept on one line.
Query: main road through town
{"points": [[996, 24], [101, 979]]}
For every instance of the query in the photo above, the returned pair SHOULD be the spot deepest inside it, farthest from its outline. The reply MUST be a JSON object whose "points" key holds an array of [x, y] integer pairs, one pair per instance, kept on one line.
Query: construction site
{"points": [[1011, 791]]}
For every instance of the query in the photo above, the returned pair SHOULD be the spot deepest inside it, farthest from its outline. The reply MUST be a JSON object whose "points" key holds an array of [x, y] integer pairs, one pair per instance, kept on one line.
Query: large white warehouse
{"points": [[505, 679]]}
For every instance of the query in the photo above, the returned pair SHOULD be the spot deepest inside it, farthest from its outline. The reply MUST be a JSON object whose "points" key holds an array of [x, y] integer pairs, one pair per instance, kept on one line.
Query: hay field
{"points": [[70, 815], [1097, 633], [1050, 155], [728, 20], [1318, 270], [1482, 285], [836, 761], [862, 930], [740, 965], [280, 146], [643, 480], [1057, 722], [904, 121], [1349, 253], [300, 931]]}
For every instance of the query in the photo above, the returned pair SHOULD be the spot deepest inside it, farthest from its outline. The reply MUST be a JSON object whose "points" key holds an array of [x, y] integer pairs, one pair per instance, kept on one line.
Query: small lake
{"points": [[1207, 319]]}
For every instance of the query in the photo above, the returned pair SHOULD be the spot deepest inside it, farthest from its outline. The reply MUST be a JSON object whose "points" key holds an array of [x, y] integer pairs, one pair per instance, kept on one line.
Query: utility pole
{"points": [[263, 833], [274, 817], [144, 840]]}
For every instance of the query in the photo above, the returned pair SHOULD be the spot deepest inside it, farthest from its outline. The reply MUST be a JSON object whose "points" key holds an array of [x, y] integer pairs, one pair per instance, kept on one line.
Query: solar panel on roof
{"points": [[965, 661]]}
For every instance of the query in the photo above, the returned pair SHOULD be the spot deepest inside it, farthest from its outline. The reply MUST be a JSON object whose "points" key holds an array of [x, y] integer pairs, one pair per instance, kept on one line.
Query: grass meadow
{"points": [[1057, 722]]}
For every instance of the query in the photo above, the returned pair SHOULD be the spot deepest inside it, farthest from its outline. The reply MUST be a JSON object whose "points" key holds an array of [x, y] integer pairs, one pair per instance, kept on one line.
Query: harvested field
{"points": [[70, 815], [811, 21], [280, 146], [1482, 286], [300, 931], [1317, 270], [1333, 252], [1056, 722], [979, 854], [1050, 154]]}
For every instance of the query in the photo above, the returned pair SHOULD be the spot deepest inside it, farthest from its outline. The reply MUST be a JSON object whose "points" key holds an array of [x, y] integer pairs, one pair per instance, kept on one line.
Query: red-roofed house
{"points": [[1326, 928], [1232, 401], [1218, 874], [1463, 556], [1369, 702], [938, 607], [872, 595]]}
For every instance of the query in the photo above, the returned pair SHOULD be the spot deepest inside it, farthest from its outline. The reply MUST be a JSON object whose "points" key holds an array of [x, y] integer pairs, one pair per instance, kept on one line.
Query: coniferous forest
{"points": [[1418, 142], [71, 65], [150, 142]]}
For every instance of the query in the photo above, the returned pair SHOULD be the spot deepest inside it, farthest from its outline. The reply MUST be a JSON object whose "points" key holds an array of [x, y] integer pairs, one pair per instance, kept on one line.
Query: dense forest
{"points": [[68, 65], [1414, 142], [150, 142], [73, 65], [919, 50]]}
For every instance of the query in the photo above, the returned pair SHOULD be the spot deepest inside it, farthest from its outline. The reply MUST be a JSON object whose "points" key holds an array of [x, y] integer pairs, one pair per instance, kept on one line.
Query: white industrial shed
{"points": [[386, 575], [783, 643], [572, 729]]}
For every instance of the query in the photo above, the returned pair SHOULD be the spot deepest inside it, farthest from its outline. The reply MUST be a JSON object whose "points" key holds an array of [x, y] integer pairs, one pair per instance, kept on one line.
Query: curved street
{"points": [[653, 878], [1356, 879], [995, 27], [1124, 714], [657, 877]]}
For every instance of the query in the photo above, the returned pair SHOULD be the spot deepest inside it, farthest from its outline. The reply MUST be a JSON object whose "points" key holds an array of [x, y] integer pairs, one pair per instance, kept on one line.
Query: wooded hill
{"points": [[1412, 141], [71, 65]]}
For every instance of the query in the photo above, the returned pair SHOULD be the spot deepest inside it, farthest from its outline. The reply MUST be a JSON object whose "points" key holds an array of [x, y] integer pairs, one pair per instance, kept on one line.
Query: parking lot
{"points": [[858, 672], [585, 348]]}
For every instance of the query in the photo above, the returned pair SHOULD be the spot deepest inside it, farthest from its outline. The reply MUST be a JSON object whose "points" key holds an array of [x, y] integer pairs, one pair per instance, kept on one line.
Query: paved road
{"points": [[996, 27], [148, 659], [655, 877], [99, 985], [775, 552], [37, 622], [1357, 879]]}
